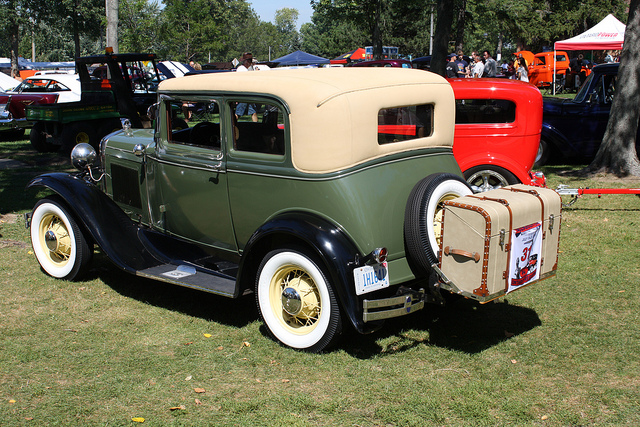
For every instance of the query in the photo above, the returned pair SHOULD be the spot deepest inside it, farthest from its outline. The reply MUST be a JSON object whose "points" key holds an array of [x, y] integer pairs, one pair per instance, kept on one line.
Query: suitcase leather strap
{"points": [[472, 255], [482, 290], [505, 274]]}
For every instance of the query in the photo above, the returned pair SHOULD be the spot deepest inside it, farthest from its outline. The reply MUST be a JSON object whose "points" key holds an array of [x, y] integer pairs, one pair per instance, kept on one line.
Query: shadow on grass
{"points": [[464, 326], [13, 197], [226, 311]]}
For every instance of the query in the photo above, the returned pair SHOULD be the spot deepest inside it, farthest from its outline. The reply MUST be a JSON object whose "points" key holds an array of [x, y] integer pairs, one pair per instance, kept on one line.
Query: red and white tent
{"points": [[606, 34]]}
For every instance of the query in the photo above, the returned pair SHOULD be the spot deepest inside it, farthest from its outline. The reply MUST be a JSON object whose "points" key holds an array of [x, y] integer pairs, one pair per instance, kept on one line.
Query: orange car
{"points": [[541, 70]]}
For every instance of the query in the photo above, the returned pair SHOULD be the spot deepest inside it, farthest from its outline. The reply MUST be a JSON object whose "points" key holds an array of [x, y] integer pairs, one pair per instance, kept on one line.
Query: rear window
{"points": [[469, 111], [404, 123]]}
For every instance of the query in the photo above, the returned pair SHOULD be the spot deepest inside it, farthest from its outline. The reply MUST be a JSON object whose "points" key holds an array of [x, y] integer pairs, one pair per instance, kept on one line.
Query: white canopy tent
{"points": [[606, 34]]}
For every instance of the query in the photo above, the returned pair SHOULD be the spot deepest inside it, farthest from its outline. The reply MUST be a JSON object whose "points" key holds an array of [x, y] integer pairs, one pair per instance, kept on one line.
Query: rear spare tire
{"points": [[423, 217]]}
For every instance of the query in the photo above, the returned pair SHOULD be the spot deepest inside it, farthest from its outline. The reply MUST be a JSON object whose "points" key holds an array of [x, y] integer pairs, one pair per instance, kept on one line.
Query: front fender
{"points": [[557, 139], [327, 241], [108, 225]]}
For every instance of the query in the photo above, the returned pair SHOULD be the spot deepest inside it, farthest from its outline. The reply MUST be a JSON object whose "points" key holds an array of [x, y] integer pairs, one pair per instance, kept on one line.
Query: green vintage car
{"points": [[301, 187]]}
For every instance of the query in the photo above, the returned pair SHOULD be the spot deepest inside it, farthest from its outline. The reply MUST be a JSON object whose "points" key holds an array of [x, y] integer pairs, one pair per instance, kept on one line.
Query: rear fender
{"points": [[521, 172], [326, 241]]}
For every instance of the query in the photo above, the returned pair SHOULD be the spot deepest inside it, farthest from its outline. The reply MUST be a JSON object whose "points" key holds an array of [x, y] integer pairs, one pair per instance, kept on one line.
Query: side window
{"points": [[258, 127], [469, 111], [606, 88], [404, 123], [194, 122]]}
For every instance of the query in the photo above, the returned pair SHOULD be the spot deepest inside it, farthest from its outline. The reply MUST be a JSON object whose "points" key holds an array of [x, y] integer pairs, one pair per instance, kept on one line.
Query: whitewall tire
{"points": [[296, 301], [58, 243]]}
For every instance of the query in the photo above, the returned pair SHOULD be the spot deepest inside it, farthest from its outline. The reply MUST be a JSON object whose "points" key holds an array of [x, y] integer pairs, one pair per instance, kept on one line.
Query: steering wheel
{"points": [[205, 134]]}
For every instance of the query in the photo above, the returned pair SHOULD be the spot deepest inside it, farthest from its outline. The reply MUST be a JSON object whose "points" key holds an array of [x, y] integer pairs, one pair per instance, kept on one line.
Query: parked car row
{"points": [[496, 119], [44, 87]]}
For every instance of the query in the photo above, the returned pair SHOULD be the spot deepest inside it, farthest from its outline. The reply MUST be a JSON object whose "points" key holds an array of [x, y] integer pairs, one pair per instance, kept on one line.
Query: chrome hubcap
{"points": [[291, 301], [51, 240]]}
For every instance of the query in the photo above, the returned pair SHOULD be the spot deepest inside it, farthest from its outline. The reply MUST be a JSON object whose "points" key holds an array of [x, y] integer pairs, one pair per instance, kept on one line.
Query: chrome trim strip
{"points": [[213, 168], [329, 178]]}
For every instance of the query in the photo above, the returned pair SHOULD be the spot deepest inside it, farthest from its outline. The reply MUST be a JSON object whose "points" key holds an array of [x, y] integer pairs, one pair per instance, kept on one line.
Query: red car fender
{"points": [[513, 145], [521, 171]]}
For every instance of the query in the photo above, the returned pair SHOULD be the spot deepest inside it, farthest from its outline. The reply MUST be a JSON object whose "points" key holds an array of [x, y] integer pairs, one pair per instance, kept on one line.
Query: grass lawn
{"points": [[115, 348]]}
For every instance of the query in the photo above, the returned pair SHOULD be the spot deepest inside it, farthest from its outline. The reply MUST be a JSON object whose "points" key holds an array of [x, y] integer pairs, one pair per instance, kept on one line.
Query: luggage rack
{"points": [[576, 193]]}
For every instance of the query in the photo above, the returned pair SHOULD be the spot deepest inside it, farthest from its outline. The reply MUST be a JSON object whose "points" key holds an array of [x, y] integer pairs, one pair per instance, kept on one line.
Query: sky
{"points": [[266, 9]]}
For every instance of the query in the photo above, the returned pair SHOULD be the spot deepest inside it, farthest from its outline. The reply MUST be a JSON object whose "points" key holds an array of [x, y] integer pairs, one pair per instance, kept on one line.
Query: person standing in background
{"points": [[490, 65]]}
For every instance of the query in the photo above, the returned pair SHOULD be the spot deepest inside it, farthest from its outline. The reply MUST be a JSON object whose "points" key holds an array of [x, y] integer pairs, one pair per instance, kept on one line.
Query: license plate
{"points": [[371, 278]]}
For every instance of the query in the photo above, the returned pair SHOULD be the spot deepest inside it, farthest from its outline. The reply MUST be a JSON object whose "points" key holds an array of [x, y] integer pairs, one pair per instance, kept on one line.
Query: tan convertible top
{"points": [[334, 111]]}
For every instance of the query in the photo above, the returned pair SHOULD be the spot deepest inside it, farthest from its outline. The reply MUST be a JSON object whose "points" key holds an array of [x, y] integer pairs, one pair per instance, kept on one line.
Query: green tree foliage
{"points": [[286, 20], [220, 30], [139, 26], [366, 15], [75, 17], [329, 38], [194, 28], [13, 15]]}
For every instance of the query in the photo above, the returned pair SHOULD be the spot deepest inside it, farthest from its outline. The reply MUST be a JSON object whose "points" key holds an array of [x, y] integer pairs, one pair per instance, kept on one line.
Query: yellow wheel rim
{"points": [[55, 240], [437, 217], [295, 299], [82, 137]]}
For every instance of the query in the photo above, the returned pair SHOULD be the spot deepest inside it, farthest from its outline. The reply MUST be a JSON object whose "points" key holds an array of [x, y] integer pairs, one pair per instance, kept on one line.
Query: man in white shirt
{"points": [[478, 67]]}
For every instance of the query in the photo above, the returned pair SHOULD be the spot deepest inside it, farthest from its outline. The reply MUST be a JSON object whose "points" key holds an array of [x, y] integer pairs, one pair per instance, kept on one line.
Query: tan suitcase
{"points": [[499, 241]]}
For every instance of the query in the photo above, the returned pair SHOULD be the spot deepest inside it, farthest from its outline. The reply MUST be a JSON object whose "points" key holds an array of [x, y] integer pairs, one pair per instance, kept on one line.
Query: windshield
{"points": [[582, 93], [40, 85]]}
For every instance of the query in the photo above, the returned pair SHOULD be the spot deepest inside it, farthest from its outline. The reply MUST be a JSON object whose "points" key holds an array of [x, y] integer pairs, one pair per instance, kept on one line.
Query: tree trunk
{"points": [[441, 37], [112, 24], [377, 34], [462, 12], [76, 34], [617, 154], [14, 42], [499, 49]]}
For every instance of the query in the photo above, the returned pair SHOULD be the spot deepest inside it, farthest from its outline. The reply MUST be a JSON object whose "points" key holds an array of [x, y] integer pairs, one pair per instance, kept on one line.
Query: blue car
{"points": [[572, 129]]}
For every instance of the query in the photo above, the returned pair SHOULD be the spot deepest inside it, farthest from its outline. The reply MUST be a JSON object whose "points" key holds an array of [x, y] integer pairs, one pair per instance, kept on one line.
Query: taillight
{"points": [[380, 255]]}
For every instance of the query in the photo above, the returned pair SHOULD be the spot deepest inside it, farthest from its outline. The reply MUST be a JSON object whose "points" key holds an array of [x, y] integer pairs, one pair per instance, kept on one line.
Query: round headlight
{"points": [[83, 155]]}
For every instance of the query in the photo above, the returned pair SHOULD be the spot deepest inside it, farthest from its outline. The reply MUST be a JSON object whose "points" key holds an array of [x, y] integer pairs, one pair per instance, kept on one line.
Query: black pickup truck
{"points": [[572, 129], [114, 86]]}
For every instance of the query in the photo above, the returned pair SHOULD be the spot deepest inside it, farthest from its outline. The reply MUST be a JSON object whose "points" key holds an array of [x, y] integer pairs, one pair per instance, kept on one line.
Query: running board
{"points": [[190, 277]]}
